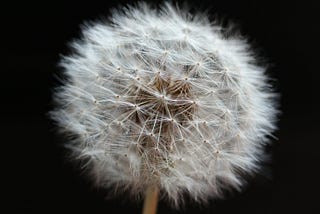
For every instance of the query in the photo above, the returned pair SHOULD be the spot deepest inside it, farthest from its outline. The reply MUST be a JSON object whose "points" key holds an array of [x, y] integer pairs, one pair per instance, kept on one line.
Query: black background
{"points": [[39, 179]]}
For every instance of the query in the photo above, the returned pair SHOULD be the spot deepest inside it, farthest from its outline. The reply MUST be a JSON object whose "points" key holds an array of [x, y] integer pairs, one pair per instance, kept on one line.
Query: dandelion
{"points": [[160, 100]]}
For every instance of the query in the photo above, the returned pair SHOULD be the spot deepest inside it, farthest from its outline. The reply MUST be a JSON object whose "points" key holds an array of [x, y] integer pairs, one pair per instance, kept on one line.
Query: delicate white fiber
{"points": [[160, 97]]}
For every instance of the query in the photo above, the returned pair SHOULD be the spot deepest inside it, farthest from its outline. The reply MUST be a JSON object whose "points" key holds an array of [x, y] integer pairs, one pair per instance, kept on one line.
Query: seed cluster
{"points": [[161, 98]]}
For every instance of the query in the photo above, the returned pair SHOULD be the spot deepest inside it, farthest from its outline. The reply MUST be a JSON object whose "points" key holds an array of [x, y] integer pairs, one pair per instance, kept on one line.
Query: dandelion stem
{"points": [[151, 200]]}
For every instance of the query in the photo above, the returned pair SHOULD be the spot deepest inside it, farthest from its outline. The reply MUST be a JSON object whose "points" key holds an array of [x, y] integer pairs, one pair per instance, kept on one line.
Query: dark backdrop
{"points": [[38, 179]]}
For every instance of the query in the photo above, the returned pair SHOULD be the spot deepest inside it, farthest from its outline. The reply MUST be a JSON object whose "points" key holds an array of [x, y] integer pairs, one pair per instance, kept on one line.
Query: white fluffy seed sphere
{"points": [[159, 97]]}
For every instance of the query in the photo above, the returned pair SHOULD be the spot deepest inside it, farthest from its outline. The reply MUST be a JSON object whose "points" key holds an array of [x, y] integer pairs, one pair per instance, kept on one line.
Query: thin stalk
{"points": [[151, 200]]}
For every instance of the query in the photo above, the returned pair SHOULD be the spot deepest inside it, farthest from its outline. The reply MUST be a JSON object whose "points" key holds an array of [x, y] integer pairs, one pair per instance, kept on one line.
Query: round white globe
{"points": [[158, 97]]}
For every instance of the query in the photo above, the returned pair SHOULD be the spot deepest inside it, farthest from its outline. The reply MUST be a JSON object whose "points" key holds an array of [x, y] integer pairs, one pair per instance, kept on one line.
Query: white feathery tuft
{"points": [[161, 98]]}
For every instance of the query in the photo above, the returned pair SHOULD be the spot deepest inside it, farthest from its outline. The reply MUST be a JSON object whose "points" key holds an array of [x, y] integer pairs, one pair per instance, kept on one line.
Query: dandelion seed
{"points": [[163, 100]]}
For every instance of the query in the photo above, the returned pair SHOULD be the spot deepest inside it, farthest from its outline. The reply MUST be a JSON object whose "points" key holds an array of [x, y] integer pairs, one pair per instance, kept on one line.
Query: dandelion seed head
{"points": [[161, 98]]}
